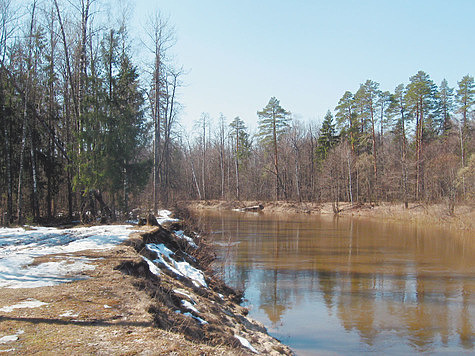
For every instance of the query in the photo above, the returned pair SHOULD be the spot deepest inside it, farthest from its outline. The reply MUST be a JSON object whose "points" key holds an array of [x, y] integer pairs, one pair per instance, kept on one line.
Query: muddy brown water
{"points": [[338, 286]]}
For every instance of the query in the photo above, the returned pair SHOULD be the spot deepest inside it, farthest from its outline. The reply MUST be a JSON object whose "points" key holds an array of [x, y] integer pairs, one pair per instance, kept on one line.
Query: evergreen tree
{"points": [[346, 117], [465, 98], [398, 111], [241, 146], [420, 95], [366, 97], [328, 137], [445, 105], [273, 122]]}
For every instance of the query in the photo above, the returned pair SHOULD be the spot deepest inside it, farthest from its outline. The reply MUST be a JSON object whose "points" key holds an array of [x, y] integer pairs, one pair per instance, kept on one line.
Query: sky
{"points": [[239, 54]]}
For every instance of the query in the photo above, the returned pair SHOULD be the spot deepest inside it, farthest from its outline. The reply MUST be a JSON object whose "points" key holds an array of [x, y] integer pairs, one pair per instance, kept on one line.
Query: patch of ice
{"points": [[221, 296], [10, 338], [181, 235], [189, 306], [69, 314], [29, 303], [152, 266], [19, 247], [181, 268], [246, 343], [107, 306]]}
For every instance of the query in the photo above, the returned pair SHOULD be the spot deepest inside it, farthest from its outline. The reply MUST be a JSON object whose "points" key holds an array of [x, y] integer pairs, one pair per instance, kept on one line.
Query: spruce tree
{"points": [[328, 137], [241, 146]]}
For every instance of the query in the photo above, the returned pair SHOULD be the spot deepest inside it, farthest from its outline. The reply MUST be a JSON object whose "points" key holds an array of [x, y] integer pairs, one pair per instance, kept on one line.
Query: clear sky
{"points": [[308, 53]]}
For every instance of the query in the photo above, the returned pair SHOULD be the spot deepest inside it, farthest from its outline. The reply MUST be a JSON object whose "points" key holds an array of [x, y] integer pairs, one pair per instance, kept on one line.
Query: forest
{"points": [[90, 131]]}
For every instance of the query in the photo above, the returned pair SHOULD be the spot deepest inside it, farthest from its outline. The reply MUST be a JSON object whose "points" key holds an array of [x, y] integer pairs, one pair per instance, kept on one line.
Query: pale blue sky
{"points": [[308, 53]]}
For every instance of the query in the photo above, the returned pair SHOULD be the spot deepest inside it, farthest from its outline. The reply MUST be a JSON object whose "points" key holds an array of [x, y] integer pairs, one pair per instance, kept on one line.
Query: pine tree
{"points": [[421, 93], [398, 110], [465, 99], [346, 117], [273, 122]]}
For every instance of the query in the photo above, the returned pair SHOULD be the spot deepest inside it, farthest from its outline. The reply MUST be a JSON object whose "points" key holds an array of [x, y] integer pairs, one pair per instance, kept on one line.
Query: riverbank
{"points": [[433, 214], [150, 295]]}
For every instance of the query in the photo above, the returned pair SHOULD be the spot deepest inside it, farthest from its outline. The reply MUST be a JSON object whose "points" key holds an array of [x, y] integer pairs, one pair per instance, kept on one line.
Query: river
{"points": [[337, 286]]}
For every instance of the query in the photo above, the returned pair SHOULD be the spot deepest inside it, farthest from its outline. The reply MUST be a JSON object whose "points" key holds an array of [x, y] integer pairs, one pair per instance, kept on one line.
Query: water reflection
{"points": [[343, 285]]}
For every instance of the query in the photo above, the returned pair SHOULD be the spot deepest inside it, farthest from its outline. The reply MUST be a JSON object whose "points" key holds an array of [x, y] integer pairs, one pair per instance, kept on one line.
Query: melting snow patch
{"points": [[181, 268], [164, 216], [19, 247], [202, 322], [246, 343], [185, 294], [181, 235], [29, 303], [189, 306], [69, 314], [152, 267], [10, 338]]}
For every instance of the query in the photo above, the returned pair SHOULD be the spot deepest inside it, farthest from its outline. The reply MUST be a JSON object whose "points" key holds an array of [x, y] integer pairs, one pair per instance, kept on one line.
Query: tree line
{"points": [[89, 133], [414, 144], [83, 126]]}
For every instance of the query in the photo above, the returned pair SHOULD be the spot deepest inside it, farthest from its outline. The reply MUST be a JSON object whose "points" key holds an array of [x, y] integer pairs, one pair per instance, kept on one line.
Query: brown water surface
{"points": [[325, 285]]}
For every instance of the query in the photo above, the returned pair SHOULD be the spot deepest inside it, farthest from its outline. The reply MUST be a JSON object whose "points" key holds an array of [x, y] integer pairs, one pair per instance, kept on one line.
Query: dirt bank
{"points": [[131, 305], [434, 214]]}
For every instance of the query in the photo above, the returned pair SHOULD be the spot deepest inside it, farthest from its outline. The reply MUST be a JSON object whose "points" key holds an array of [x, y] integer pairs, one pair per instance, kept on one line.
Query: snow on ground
{"points": [[181, 235], [20, 246], [202, 321], [69, 314], [29, 303], [189, 306], [164, 216], [181, 268], [246, 343], [10, 338], [185, 294], [152, 267]]}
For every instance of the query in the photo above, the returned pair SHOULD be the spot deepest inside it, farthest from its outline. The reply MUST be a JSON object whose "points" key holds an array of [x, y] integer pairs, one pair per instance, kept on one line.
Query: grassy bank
{"points": [[430, 214]]}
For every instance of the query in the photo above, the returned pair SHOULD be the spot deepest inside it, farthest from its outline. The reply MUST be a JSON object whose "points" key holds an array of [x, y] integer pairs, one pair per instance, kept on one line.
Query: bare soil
{"points": [[123, 309]]}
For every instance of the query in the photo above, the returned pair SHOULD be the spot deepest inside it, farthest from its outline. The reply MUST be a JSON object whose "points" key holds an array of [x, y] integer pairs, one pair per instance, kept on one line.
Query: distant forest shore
{"points": [[91, 131], [437, 215]]}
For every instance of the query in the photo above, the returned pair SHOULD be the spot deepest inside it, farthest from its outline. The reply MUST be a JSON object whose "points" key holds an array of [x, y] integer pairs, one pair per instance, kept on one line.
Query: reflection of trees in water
{"points": [[273, 300], [379, 279], [465, 328]]}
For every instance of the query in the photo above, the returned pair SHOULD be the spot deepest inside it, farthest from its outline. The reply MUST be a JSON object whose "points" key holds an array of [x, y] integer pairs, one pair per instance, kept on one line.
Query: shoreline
{"points": [[138, 299], [435, 215]]}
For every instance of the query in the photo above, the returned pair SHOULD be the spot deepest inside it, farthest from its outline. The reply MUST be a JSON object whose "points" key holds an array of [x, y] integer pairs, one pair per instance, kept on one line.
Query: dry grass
{"points": [[123, 309], [109, 315]]}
